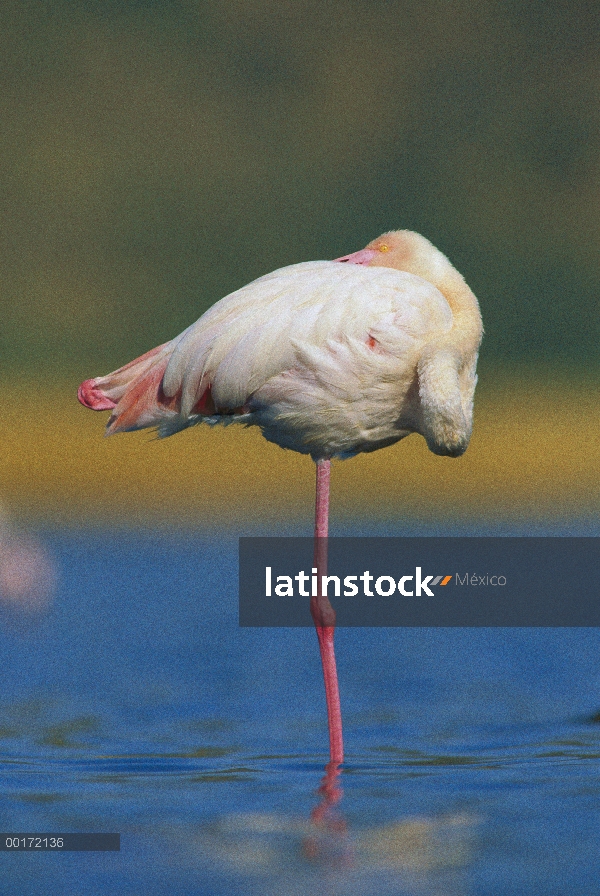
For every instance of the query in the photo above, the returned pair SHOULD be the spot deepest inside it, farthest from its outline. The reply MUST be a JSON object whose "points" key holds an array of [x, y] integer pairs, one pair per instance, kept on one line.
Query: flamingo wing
{"points": [[213, 368]]}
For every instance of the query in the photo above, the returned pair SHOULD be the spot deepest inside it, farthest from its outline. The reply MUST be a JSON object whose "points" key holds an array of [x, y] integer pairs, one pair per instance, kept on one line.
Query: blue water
{"points": [[136, 705]]}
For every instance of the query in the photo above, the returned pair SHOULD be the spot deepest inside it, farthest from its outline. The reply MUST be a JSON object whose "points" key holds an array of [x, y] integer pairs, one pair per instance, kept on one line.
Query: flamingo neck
{"points": [[464, 307]]}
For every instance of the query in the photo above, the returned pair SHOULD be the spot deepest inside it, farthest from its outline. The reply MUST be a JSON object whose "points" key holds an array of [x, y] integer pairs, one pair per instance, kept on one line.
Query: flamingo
{"points": [[328, 358]]}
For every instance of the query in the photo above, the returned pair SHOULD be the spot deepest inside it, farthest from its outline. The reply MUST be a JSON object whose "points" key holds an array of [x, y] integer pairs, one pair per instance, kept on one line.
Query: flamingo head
{"points": [[403, 250]]}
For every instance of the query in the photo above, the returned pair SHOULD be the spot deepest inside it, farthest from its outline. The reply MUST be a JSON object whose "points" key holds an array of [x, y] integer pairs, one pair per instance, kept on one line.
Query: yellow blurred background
{"points": [[534, 455]]}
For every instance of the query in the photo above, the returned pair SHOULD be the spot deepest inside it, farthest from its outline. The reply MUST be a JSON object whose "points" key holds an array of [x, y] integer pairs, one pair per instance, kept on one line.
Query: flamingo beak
{"points": [[362, 257]]}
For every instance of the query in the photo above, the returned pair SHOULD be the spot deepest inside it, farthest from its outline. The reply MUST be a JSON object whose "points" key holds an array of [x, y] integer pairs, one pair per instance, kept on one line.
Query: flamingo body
{"points": [[327, 358]]}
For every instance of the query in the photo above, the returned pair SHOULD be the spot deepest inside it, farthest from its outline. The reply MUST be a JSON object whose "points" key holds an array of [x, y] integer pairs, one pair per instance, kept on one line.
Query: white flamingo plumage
{"points": [[328, 358]]}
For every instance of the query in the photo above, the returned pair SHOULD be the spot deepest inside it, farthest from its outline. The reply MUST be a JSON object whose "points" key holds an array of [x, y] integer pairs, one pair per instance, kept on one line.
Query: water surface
{"points": [[135, 704]]}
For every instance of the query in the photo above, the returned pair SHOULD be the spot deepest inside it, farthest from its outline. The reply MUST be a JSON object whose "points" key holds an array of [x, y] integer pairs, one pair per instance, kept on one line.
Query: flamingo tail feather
{"points": [[135, 395]]}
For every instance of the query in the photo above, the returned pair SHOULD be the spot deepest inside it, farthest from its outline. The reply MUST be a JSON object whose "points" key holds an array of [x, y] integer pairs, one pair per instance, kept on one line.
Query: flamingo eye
{"points": [[383, 248]]}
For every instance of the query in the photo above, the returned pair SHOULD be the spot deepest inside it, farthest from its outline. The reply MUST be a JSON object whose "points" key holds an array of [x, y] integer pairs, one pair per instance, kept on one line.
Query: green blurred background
{"points": [[157, 155]]}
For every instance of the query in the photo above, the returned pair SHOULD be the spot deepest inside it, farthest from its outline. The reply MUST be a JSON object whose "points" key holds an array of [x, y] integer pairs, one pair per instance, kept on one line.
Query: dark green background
{"points": [[157, 155]]}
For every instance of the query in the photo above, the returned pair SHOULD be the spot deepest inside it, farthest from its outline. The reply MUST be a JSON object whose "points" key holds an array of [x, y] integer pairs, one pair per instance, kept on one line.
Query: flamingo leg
{"points": [[323, 616]]}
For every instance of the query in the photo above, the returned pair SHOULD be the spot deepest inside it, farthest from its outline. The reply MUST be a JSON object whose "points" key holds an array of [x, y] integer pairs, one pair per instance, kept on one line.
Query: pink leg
{"points": [[323, 615]]}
